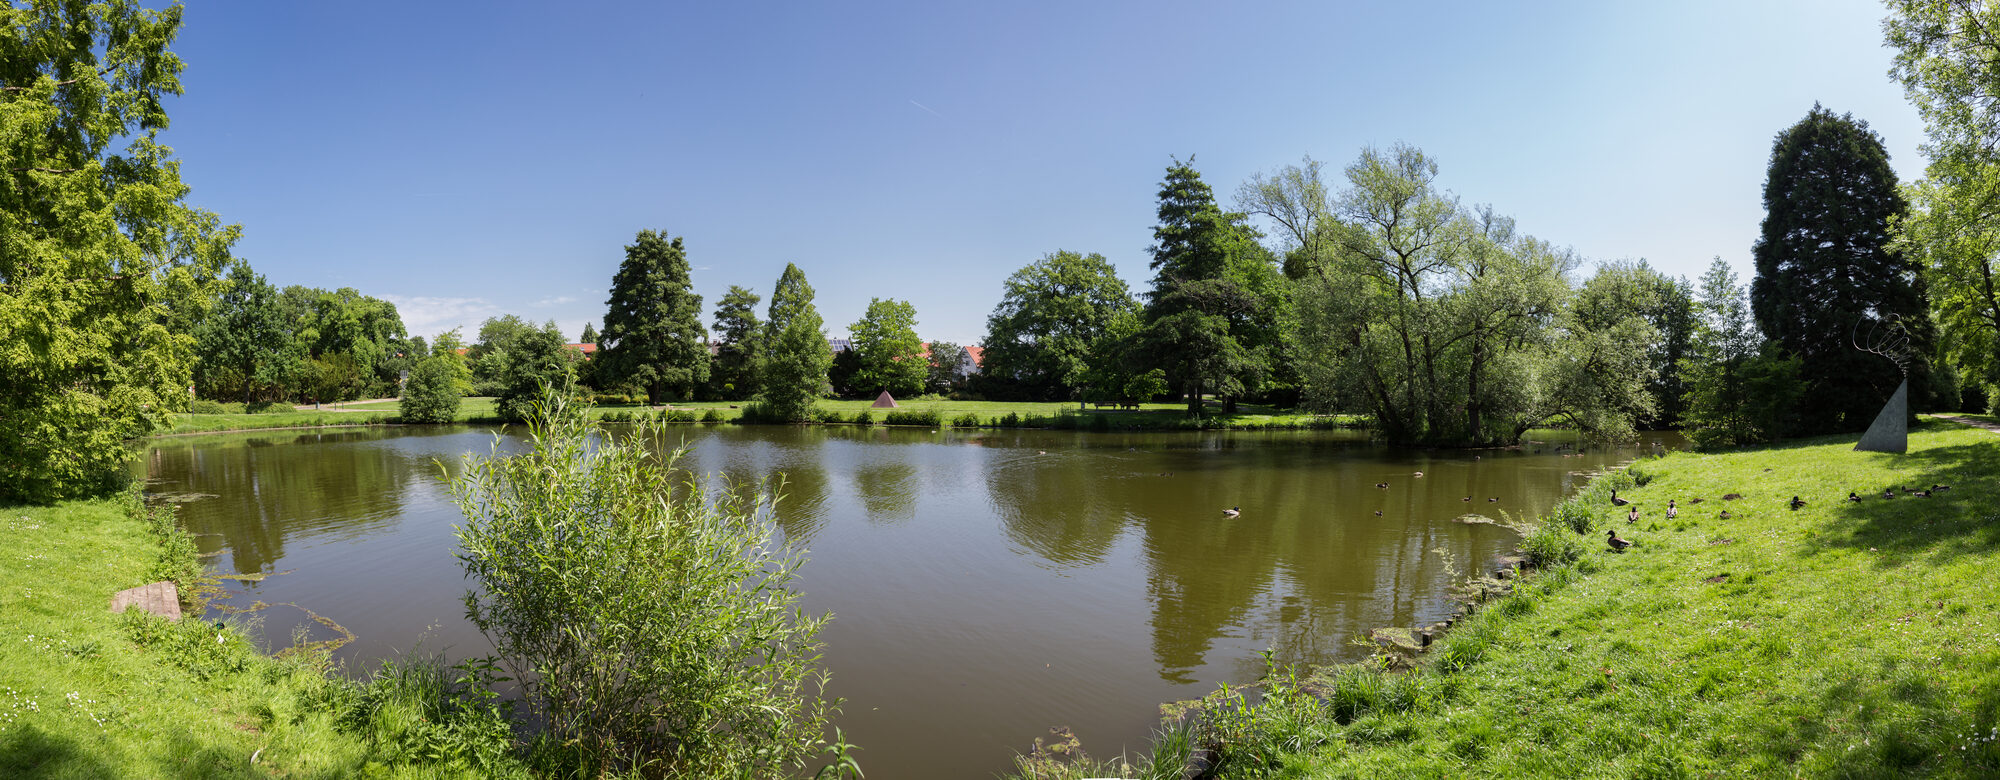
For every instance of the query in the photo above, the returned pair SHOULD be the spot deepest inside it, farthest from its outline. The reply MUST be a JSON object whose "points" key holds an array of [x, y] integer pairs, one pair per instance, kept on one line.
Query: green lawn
{"points": [[85, 693]]}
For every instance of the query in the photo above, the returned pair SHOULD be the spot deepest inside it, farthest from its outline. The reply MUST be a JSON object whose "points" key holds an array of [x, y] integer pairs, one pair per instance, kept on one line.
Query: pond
{"points": [[986, 585]]}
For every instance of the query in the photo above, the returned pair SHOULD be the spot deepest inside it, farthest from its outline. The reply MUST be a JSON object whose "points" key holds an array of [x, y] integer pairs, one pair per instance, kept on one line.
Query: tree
{"points": [[1740, 390], [792, 369], [1119, 372], [530, 361], [947, 366], [653, 337], [1450, 327], [237, 345], [1297, 200], [1038, 337], [1945, 61], [738, 333], [1676, 320], [448, 345], [1824, 263], [1211, 318], [488, 358], [1376, 323], [431, 394], [366, 329], [653, 621], [1667, 305], [589, 334], [885, 339], [842, 374], [103, 264]]}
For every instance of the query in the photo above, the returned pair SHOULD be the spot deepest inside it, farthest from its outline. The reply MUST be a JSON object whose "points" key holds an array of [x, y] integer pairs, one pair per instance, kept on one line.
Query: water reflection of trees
{"points": [[785, 459], [267, 494], [887, 484], [1056, 507], [1307, 566]]}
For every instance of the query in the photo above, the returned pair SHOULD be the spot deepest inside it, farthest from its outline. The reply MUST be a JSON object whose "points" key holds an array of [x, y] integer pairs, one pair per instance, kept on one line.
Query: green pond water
{"points": [[986, 586]]}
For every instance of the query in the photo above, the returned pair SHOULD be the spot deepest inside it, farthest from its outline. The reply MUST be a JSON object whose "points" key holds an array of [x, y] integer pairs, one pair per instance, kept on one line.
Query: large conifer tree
{"points": [[792, 367], [652, 334], [1824, 265], [1209, 318], [738, 332]]}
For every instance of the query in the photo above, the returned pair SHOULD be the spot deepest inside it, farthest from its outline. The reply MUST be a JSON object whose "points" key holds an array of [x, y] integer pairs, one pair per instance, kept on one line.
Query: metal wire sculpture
{"points": [[1885, 337]]}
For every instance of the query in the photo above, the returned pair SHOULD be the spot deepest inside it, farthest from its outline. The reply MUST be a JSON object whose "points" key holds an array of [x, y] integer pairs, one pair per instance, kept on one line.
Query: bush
{"points": [[1551, 544], [1573, 515], [431, 395], [649, 618], [757, 414], [421, 711], [864, 417], [679, 416], [929, 418], [205, 406], [967, 420], [267, 407], [712, 416]]}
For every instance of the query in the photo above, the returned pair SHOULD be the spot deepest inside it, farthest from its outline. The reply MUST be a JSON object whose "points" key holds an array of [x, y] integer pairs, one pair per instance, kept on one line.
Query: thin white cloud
{"points": [[555, 301], [428, 316], [928, 109]]}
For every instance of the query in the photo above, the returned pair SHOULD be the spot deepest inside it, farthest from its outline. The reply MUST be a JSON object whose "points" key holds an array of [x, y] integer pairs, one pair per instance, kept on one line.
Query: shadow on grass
{"points": [[1952, 523], [29, 752]]}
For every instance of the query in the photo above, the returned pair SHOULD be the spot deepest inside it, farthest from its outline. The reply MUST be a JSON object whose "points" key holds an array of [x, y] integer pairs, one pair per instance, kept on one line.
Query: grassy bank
{"points": [[85, 693], [1839, 639]]}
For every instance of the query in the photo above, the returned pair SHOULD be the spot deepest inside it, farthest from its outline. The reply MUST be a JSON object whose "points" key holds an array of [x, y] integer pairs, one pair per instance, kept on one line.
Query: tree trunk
{"points": [[1194, 401]]}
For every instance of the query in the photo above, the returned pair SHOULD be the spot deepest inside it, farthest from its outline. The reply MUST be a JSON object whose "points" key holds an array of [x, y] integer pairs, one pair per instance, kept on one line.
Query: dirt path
{"points": [[1968, 421]]}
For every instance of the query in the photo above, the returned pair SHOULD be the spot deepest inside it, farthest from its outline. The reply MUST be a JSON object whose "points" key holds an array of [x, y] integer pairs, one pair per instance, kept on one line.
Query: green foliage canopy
{"points": [[792, 370], [1946, 60], [1038, 337], [653, 336], [738, 333], [525, 361], [1215, 316], [947, 367], [241, 341], [1824, 265], [102, 262], [1449, 326], [431, 394], [891, 355], [1740, 390]]}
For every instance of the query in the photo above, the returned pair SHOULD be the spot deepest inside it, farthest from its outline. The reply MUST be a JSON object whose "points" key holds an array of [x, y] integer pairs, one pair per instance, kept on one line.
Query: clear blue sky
{"points": [[473, 159]]}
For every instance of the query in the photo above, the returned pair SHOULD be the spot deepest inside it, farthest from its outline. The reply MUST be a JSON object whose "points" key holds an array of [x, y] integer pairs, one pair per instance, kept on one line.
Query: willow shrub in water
{"points": [[652, 622]]}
